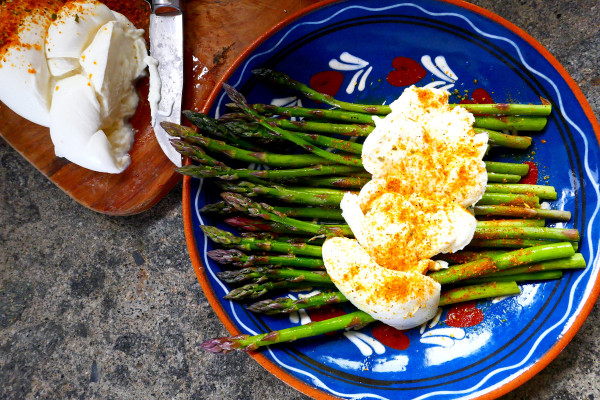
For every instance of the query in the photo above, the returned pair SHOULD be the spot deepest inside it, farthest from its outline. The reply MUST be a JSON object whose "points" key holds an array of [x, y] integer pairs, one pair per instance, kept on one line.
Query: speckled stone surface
{"points": [[97, 307]]}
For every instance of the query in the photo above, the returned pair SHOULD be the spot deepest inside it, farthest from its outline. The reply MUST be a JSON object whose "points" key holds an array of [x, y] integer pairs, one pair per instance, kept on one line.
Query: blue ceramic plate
{"points": [[368, 52]]}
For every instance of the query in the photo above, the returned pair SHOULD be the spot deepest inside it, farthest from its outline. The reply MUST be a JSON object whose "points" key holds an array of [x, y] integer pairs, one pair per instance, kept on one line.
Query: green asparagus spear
{"points": [[283, 193], [354, 118], [527, 232], [504, 140], [275, 236], [522, 277], [503, 178], [355, 320], [271, 159], [256, 290], [453, 274], [576, 261], [285, 305], [465, 256], [224, 172], [478, 291], [500, 109], [509, 199], [468, 293], [543, 192], [507, 168], [195, 153], [244, 204], [212, 126], [311, 212], [311, 196], [363, 128], [238, 259], [339, 182], [249, 244], [510, 243], [261, 226], [261, 274], [520, 212], [286, 81], [337, 158], [499, 262], [511, 222], [259, 131], [519, 123]]}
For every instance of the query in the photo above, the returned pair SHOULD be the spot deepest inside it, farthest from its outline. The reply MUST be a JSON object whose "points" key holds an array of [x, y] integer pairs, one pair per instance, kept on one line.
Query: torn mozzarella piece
{"points": [[404, 232], [429, 147], [354, 216], [91, 127], [71, 32], [400, 299], [112, 61], [74, 28], [75, 129], [62, 66]]}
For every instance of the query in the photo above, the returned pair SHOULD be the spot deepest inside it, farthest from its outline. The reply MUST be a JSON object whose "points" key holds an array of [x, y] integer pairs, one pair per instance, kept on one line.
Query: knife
{"points": [[166, 46]]}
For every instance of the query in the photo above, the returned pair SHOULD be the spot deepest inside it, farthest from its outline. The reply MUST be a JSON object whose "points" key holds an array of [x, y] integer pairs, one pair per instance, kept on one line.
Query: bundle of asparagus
{"points": [[280, 245]]}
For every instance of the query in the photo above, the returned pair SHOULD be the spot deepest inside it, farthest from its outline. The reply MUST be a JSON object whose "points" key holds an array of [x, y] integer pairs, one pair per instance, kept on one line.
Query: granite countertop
{"points": [[98, 307]]}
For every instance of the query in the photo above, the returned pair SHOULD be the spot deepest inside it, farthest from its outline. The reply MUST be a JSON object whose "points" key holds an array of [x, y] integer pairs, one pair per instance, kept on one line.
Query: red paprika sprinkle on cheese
{"points": [[14, 13]]}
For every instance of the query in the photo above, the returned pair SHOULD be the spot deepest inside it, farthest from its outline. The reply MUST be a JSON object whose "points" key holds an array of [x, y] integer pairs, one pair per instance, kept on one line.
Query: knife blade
{"points": [[166, 46]]}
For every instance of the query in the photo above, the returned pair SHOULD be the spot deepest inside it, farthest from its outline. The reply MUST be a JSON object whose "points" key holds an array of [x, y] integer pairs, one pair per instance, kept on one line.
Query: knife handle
{"points": [[158, 4]]}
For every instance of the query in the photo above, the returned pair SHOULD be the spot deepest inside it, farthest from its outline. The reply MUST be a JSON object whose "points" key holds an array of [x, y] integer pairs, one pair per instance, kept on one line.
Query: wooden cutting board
{"points": [[216, 32]]}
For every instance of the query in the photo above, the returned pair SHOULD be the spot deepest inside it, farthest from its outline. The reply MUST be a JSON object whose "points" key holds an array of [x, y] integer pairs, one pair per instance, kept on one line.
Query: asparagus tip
{"points": [[235, 96], [172, 128], [223, 256], [249, 291], [219, 236], [242, 275], [267, 305], [261, 72], [188, 113], [222, 345], [241, 203]]}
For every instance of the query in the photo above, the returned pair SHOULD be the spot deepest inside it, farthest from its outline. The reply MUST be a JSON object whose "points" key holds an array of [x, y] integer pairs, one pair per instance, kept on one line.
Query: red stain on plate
{"points": [[327, 82], [406, 72], [481, 96], [325, 312], [391, 337], [532, 176], [464, 315]]}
